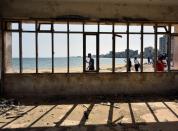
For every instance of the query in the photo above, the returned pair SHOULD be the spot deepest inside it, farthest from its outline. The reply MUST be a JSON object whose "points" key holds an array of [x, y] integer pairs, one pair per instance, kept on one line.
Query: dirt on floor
{"points": [[107, 116]]}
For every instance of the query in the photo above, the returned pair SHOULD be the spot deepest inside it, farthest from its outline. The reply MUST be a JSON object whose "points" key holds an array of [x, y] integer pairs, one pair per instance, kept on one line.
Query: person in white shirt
{"points": [[137, 64]]}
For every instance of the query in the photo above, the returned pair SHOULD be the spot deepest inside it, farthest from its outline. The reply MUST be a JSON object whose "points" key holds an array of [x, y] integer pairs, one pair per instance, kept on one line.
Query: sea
{"points": [[30, 63]]}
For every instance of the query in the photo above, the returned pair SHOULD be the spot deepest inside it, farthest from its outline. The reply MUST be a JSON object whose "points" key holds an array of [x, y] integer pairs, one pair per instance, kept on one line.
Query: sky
{"points": [[76, 40]]}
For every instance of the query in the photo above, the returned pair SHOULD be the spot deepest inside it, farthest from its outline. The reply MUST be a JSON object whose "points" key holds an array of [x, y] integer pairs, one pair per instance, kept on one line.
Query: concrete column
{"points": [[8, 51], [7, 54], [1, 84], [175, 49], [0, 51]]}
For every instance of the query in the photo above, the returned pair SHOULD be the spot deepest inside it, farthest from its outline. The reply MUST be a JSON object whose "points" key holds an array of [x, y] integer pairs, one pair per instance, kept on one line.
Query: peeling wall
{"points": [[50, 85]]}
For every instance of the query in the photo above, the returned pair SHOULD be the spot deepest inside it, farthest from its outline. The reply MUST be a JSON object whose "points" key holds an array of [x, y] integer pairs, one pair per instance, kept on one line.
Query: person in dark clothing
{"points": [[149, 60], [137, 64], [91, 63], [129, 65]]}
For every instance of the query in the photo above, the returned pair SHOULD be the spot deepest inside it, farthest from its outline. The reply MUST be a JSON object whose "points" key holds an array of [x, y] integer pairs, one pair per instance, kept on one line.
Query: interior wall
{"points": [[90, 84]]}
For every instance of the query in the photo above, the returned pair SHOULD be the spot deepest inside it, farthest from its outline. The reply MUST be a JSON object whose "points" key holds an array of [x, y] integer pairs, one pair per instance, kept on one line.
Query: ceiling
{"points": [[132, 10]]}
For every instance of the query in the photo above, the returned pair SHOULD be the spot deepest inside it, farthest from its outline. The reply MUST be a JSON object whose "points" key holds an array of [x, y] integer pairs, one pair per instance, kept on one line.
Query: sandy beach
{"points": [[79, 69]]}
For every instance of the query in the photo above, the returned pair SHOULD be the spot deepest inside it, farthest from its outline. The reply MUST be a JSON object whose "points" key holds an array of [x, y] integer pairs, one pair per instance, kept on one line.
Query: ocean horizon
{"points": [[30, 63]]}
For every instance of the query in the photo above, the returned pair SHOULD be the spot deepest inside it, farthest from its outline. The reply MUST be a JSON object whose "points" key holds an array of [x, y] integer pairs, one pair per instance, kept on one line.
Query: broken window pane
{"points": [[148, 28], [135, 28], [60, 53], [60, 27], [44, 52], [15, 65], [91, 27], [162, 41], [91, 51], [76, 27], [28, 27], [15, 26], [120, 28], [134, 52], [28, 53], [148, 53], [121, 53], [76, 53], [105, 53], [45, 27], [105, 28], [162, 28]]}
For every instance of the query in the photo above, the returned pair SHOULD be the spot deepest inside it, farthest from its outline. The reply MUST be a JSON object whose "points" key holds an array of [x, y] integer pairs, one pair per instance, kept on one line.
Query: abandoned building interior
{"points": [[53, 46], [46, 50]]}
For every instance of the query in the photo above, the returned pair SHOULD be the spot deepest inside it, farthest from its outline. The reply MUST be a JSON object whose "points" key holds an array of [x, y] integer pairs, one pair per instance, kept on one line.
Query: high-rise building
{"points": [[163, 44], [148, 52]]}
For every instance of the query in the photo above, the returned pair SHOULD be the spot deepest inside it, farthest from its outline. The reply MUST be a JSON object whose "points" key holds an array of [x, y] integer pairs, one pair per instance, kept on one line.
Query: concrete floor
{"points": [[145, 116]]}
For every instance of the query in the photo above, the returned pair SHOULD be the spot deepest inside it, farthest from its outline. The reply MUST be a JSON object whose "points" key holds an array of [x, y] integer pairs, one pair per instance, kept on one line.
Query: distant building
{"points": [[122, 54], [148, 52], [132, 53], [163, 44]]}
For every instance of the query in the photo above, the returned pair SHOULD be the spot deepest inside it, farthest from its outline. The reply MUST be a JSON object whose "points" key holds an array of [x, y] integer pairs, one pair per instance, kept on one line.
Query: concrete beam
{"points": [[139, 10]]}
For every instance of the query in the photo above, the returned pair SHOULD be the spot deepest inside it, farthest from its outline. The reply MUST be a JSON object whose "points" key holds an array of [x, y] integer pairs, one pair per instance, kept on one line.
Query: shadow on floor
{"points": [[93, 99], [161, 126], [111, 125]]}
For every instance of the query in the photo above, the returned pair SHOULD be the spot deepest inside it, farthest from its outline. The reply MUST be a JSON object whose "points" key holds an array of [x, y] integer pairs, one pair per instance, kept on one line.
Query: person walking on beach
{"points": [[90, 63], [149, 60], [129, 65], [160, 64], [137, 64]]}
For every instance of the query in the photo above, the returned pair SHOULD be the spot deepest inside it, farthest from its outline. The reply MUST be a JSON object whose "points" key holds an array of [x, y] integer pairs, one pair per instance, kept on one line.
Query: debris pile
{"points": [[10, 108], [6, 103]]}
